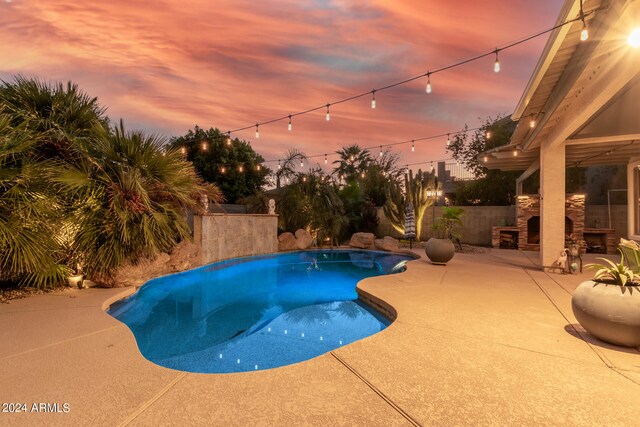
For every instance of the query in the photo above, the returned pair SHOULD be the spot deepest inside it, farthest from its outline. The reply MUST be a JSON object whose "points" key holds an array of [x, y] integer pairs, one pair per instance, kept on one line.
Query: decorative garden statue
{"points": [[204, 199], [272, 207]]}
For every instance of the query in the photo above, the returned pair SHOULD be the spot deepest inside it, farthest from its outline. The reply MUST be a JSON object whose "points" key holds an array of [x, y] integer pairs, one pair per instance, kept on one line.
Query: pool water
{"points": [[256, 313]]}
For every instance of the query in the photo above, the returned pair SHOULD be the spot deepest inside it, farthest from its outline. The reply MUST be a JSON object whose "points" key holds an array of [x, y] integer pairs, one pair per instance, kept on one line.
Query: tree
{"points": [[132, 204], [310, 202], [286, 170], [352, 162], [380, 173], [419, 190], [234, 167], [492, 186]]}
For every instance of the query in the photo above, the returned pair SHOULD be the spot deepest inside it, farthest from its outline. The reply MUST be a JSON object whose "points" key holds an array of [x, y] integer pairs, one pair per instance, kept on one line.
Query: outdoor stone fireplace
{"points": [[528, 219]]}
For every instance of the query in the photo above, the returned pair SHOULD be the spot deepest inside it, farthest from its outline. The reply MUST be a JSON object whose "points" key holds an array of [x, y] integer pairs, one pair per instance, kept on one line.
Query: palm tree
{"points": [[352, 162], [286, 170], [131, 199], [312, 203]]}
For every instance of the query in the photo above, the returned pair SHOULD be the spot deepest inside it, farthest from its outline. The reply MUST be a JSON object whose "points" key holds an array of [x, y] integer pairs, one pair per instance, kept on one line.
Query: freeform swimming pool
{"points": [[256, 313]]}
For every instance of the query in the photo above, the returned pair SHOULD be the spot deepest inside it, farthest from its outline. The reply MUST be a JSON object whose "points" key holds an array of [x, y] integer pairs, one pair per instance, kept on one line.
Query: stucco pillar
{"points": [[552, 202]]}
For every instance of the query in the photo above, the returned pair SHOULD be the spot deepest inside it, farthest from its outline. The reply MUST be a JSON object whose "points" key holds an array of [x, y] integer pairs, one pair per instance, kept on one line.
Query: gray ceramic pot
{"points": [[609, 312], [439, 251]]}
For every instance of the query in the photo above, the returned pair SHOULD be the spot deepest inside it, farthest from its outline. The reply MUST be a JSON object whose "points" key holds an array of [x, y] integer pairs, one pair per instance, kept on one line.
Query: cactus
{"points": [[417, 191]]}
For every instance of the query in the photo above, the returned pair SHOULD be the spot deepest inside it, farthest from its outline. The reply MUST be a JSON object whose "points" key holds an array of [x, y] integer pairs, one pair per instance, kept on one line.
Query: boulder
{"points": [[388, 243], [304, 239], [287, 242], [362, 240]]}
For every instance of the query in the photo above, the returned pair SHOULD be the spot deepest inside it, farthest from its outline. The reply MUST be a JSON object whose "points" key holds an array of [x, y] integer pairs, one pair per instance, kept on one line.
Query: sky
{"points": [[166, 66]]}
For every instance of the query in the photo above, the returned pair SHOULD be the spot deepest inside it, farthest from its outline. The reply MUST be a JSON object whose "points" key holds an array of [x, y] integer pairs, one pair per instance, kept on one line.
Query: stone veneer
{"points": [[528, 206], [224, 236]]}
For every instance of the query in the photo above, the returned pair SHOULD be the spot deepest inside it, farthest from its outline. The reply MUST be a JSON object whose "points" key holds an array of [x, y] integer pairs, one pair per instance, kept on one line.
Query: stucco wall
{"points": [[479, 219], [224, 236]]}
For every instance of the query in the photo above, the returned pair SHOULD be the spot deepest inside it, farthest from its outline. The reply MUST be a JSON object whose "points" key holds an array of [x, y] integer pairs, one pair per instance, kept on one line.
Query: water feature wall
{"points": [[224, 236]]}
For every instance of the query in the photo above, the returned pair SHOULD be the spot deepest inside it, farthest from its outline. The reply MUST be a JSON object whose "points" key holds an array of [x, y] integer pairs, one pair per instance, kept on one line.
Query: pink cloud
{"points": [[166, 66]]}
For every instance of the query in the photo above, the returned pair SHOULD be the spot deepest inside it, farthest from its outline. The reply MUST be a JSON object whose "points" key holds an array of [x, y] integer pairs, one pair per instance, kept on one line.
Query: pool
{"points": [[256, 313]]}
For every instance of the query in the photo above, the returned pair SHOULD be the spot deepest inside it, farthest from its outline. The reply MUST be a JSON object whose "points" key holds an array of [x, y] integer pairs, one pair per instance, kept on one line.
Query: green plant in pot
{"points": [[441, 250], [608, 306]]}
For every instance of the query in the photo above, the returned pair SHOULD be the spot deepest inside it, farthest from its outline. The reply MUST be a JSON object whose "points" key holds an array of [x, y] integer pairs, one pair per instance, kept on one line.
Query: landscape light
{"points": [[240, 168]]}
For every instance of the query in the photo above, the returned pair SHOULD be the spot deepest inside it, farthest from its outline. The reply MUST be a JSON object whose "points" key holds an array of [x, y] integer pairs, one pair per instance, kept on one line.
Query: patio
{"points": [[488, 339]]}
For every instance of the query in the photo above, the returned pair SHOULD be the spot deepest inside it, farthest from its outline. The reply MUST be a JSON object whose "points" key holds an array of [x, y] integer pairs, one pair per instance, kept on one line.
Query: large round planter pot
{"points": [[609, 312], [439, 251]]}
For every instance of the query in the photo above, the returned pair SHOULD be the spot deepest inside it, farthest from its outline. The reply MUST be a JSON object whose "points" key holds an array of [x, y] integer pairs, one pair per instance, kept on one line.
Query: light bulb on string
{"points": [[328, 116], [488, 134], [485, 159], [289, 126], [373, 99], [448, 140], [223, 169], [351, 158], [279, 165], [428, 83], [301, 163], [240, 168], [325, 159], [381, 151], [362, 174], [496, 64], [304, 179], [258, 167], [257, 131], [204, 146], [229, 138], [532, 123], [515, 152], [183, 150], [432, 169], [584, 34], [413, 146]]}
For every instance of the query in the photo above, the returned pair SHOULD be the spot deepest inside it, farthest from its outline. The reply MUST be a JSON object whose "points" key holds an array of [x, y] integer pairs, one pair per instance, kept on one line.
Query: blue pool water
{"points": [[256, 313]]}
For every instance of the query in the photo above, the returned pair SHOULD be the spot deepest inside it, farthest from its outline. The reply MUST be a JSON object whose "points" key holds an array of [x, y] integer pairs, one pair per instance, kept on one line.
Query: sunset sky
{"points": [[165, 66]]}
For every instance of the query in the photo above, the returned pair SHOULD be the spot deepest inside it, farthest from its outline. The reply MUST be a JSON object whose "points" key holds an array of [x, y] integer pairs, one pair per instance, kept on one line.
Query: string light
{"points": [[584, 34], [290, 126], [240, 168], [351, 158], [204, 146], [304, 179], [362, 175], [381, 151], [325, 159], [328, 116], [373, 99], [228, 138], [258, 167], [581, 17], [223, 169], [432, 169], [496, 64], [257, 131], [413, 146], [488, 134], [183, 150], [532, 123], [279, 165], [301, 163], [448, 140], [515, 152], [485, 159]]}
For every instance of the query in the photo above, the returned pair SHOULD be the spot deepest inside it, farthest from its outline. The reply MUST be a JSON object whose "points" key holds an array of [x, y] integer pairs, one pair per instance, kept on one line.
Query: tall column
{"points": [[552, 202]]}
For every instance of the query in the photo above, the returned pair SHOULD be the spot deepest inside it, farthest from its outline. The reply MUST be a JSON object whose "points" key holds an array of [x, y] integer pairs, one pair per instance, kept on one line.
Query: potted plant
{"points": [[440, 251], [608, 306]]}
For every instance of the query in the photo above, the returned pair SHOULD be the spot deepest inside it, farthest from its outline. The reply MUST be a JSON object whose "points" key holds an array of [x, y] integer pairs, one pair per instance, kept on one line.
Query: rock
{"points": [[304, 240], [388, 243], [362, 240], [287, 242]]}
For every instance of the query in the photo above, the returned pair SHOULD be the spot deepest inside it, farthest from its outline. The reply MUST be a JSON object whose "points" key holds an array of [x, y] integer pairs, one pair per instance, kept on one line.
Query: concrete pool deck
{"points": [[487, 339]]}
